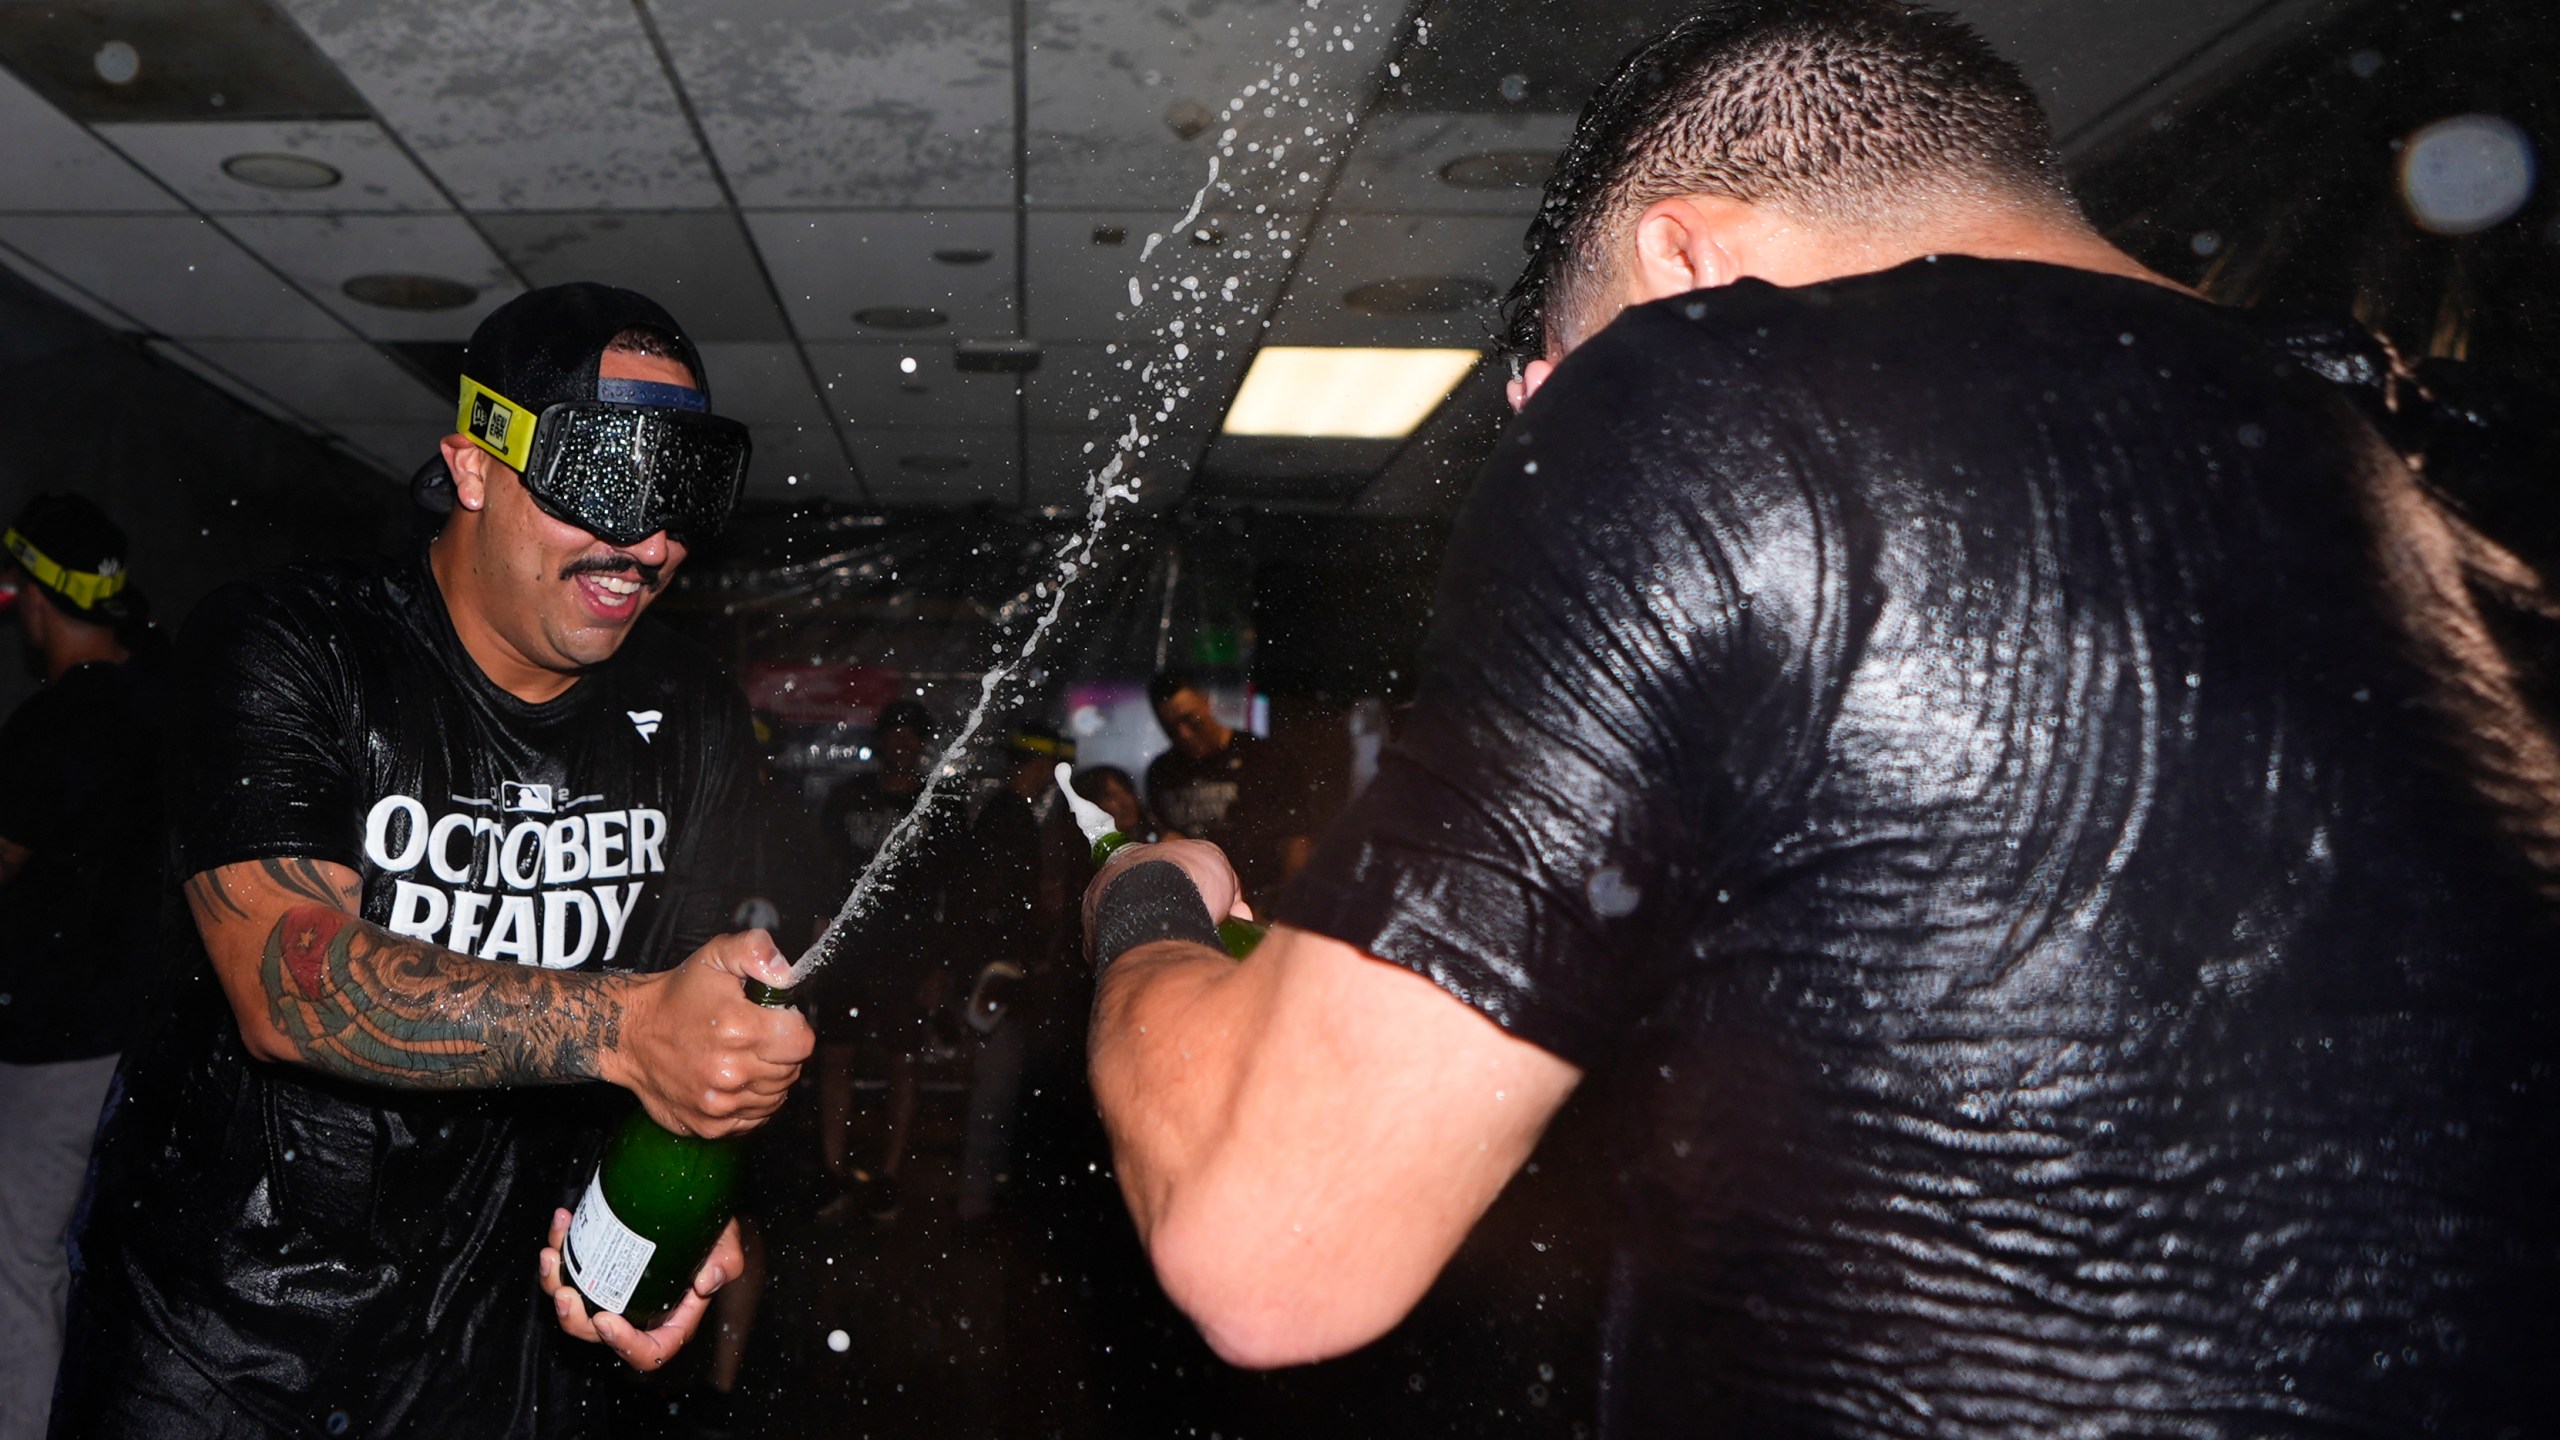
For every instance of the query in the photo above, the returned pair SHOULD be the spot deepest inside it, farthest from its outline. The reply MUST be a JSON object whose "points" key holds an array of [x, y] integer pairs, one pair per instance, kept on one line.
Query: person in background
{"points": [[1235, 790], [1110, 787], [878, 1001], [80, 883], [1994, 773], [457, 828]]}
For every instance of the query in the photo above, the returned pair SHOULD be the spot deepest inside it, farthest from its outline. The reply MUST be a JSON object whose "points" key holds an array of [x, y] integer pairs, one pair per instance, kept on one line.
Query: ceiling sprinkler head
{"points": [[117, 63]]}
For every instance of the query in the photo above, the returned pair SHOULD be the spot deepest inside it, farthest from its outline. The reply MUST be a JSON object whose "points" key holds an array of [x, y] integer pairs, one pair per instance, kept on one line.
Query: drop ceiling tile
{"points": [[178, 275], [938, 467], [831, 263], [172, 353], [1108, 82], [1063, 470], [1092, 392], [323, 252], [69, 294], [800, 462], [399, 447], [1397, 166], [1477, 251], [329, 380], [556, 106], [695, 262], [1080, 286], [822, 103], [761, 384], [188, 156], [51, 163], [871, 387]]}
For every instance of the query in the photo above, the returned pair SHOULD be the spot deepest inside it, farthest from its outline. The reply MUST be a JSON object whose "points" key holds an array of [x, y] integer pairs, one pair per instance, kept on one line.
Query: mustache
{"points": [[650, 575]]}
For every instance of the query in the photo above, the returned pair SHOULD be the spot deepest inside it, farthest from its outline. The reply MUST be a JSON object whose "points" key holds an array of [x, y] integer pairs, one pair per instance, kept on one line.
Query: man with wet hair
{"points": [[1238, 791], [1991, 770], [455, 827]]}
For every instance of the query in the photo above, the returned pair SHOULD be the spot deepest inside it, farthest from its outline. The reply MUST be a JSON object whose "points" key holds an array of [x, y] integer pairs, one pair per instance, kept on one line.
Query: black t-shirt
{"points": [[80, 922], [1246, 799], [316, 1246], [888, 951], [1933, 748]]}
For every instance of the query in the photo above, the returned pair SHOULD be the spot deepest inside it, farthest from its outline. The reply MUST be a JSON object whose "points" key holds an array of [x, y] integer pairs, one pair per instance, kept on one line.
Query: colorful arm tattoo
{"points": [[359, 1001]]}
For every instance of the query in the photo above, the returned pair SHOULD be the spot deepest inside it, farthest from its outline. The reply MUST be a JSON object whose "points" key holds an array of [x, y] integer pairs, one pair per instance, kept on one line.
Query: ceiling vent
{"points": [[900, 317], [409, 292], [281, 172]]}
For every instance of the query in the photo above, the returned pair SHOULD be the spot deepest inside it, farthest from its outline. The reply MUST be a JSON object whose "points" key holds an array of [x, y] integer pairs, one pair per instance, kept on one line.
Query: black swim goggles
{"points": [[639, 458]]}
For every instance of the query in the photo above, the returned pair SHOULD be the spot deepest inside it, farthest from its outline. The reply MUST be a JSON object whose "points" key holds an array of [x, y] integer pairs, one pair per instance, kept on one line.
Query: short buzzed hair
{"points": [[1169, 683], [1841, 113]]}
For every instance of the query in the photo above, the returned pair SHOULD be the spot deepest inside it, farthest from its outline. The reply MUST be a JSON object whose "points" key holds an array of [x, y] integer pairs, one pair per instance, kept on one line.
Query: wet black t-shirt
{"points": [[321, 1248], [79, 923], [1935, 749]]}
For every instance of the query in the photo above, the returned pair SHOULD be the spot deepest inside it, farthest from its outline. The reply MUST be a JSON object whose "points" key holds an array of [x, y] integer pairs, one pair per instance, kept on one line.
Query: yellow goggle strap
{"points": [[83, 588], [495, 423]]}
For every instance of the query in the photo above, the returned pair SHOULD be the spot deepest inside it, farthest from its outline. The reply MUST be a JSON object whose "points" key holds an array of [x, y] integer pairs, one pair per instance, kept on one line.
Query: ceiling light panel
{"points": [[698, 264], [373, 176], [1114, 86], [177, 275], [833, 264], [557, 106], [50, 163], [323, 253], [821, 103], [1344, 392]]}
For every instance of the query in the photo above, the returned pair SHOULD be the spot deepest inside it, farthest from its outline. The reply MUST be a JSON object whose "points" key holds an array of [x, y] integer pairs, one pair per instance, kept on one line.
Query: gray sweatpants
{"points": [[48, 1113]]}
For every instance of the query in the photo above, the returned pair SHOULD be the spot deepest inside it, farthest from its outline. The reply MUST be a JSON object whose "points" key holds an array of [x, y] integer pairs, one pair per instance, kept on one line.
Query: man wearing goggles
{"points": [[458, 831]]}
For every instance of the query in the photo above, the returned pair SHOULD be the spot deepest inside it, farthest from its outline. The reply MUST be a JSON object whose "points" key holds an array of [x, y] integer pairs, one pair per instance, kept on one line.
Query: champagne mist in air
{"points": [[1194, 324]]}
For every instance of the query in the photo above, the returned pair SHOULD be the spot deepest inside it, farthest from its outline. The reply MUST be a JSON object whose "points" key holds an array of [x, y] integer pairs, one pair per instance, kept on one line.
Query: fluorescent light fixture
{"points": [[1344, 393]]}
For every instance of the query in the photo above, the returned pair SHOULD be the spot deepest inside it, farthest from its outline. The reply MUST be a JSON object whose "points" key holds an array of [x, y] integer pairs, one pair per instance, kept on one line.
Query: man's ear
{"points": [[469, 466], [1685, 243], [1531, 376]]}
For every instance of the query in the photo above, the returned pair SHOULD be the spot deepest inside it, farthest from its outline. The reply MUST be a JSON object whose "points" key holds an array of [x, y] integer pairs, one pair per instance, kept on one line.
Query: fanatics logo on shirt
{"points": [[645, 721]]}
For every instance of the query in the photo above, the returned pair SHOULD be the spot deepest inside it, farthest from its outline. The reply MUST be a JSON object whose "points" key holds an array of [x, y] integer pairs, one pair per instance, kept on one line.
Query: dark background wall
{"points": [[207, 489]]}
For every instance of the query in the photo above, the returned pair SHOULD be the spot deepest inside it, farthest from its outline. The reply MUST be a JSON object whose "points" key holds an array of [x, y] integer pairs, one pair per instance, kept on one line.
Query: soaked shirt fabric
{"points": [[1944, 754], [304, 1255]]}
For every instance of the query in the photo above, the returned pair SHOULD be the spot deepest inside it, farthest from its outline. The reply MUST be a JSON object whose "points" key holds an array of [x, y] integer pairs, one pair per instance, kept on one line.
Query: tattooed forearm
{"points": [[212, 901], [356, 1000]]}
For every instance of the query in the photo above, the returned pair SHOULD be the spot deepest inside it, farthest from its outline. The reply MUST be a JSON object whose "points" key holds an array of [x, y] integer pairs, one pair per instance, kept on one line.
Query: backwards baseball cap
{"points": [[621, 459], [68, 548]]}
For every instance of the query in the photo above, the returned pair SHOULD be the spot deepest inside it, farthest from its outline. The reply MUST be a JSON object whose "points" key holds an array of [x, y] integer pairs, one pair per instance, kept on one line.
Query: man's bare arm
{"points": [[1305, 1137], [312, 983]]}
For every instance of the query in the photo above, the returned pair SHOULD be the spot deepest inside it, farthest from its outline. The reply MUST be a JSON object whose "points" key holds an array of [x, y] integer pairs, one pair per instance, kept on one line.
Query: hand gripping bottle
{"points": [[653, 1209], [1238, 936]]}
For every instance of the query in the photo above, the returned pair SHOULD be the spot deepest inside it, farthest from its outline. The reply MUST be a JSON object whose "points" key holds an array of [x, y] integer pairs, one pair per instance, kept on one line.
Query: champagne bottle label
{"points": [[604, 1258]]}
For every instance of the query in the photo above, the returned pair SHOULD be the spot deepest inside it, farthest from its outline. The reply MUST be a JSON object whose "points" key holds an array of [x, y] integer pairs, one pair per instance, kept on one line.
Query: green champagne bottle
{"points": [[1100, 831], [653, 1209]]}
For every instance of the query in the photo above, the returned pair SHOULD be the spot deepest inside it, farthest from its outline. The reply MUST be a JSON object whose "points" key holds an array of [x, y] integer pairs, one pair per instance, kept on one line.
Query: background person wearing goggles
{"points": [[451, 822]]}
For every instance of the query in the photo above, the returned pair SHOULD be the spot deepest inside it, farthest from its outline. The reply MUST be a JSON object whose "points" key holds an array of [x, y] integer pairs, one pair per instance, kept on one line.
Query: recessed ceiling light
{"points": [[1420, 295], [410, 292], [117, 62], [281, 172], [900, 317], [964, 255], [934, 464], [1344, 393], [996, 357]]}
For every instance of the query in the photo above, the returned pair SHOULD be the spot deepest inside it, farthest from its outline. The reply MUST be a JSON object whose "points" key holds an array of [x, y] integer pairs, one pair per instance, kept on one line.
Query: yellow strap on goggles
{"points": [[83, 588], [495, 423]]}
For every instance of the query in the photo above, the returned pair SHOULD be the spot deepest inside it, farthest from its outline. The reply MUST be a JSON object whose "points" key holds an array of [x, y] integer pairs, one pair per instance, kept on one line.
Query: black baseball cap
{"points": [[620, 458], [68, 548]]}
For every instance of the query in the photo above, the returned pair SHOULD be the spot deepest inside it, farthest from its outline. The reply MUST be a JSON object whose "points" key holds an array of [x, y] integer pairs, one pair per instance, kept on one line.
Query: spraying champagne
{"points": [[1104, 835]]}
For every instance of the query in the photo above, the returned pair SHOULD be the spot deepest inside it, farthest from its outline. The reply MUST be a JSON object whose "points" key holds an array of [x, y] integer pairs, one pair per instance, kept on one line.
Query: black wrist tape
{"points": [[1151, 901]]}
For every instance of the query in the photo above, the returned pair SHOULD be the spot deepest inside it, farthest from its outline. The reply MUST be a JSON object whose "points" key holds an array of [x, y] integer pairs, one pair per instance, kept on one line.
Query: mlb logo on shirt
{"points": [[516, 799]]}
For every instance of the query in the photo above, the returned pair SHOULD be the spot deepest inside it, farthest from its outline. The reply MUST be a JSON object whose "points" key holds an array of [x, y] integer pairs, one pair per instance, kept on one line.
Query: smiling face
{"points": [[1191, 725], [535, 599]]}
